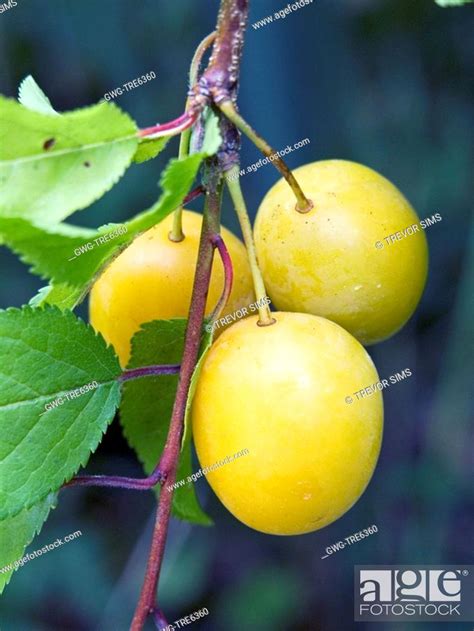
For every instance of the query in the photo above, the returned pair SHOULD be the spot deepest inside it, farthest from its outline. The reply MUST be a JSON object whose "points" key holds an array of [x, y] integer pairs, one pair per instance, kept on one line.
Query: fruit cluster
{"points": [[279, 390]]}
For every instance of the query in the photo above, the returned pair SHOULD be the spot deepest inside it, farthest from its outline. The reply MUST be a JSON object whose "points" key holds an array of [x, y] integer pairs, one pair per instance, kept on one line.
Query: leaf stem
{"points": [[233, 184], [303, 204], [196, 192], [172, 128], [118, 481], [147, 371]]}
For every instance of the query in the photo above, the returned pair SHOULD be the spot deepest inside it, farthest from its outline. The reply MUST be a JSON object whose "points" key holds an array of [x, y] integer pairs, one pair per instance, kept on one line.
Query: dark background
{"points": [[388, 83]]}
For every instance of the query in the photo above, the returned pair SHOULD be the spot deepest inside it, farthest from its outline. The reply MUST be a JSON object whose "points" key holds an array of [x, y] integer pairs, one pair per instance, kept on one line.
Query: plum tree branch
{"points": [[221, 74], [169, 460]]}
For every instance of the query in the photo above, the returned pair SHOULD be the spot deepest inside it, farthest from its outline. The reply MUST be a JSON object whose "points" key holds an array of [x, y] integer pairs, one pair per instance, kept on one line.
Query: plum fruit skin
{"points": [[280, 392], [326, 261], [153, 278]]}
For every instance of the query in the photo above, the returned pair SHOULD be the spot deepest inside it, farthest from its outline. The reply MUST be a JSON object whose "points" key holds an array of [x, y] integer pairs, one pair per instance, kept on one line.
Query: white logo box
{"points": [[414, 592]]}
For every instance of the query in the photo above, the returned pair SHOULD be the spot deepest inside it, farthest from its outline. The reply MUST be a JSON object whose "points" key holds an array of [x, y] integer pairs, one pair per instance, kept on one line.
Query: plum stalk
{"points": [[233, 184], [303, 204]]}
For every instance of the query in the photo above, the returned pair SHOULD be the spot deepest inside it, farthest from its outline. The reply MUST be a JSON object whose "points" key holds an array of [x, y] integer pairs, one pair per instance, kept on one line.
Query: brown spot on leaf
{"points": [[87, 164], [49, 143]]}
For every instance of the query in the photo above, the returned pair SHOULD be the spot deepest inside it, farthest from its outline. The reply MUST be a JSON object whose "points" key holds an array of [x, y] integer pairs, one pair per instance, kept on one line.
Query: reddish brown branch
{"points": [[169, 459]]}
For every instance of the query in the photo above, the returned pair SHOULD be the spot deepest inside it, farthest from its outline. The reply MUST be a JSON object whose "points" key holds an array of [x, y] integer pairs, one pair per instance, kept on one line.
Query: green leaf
{"points": [[47, 428], [17, 532], [52, 251], [60, 295], [32, 96], [452, 3], [148, 149], [147, 404], [51, 166], [212, 134]]}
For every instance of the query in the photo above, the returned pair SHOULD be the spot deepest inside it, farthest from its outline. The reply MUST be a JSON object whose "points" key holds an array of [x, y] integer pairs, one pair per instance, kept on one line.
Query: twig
{"points": [[169, 459]]}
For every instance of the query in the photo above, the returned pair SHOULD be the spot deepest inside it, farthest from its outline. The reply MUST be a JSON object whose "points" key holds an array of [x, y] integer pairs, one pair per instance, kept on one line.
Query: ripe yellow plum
{"points": [[281, 391], [152, 279], [338, 260]]}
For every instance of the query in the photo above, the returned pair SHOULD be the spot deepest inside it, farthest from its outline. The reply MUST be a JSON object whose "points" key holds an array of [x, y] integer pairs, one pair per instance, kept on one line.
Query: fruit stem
{"points": [[218, 243], [233, 184], [176, 232], [169, 459], [303, 204]]}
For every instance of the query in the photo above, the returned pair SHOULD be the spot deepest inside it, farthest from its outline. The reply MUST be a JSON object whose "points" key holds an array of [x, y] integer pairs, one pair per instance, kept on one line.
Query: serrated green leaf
{"points": [[51, 251], [17, 532], [32, 96], [148, 149], [46, 355], [147, 404], [452, 3], [212, 134], [51, 166], [60, 295]]}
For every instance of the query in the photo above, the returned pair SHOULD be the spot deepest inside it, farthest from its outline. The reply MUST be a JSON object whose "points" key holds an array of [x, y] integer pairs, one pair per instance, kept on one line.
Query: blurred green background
{"points": [[388, 83]]}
